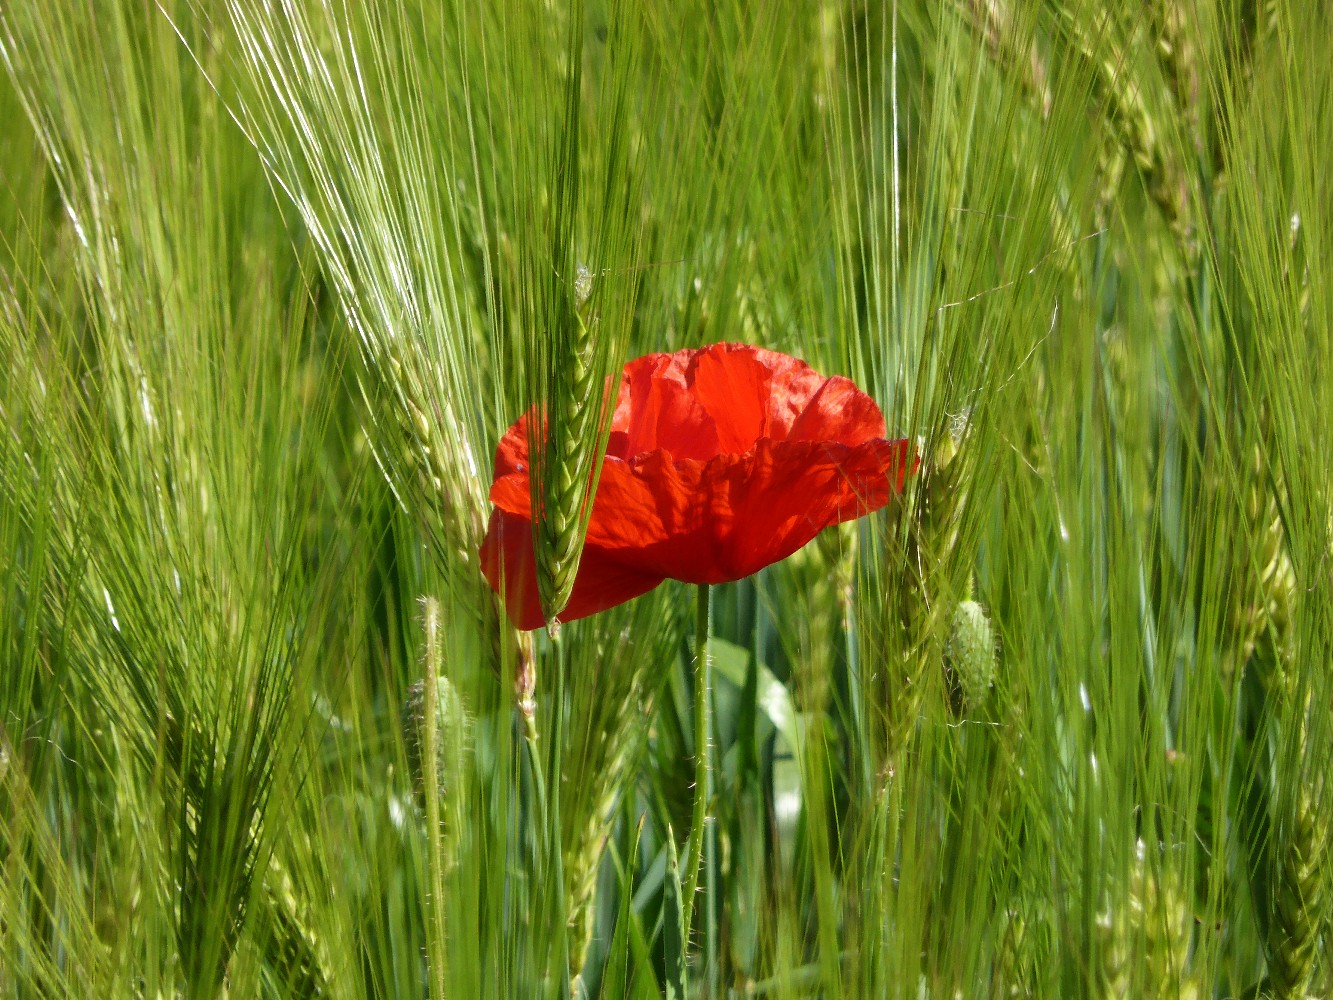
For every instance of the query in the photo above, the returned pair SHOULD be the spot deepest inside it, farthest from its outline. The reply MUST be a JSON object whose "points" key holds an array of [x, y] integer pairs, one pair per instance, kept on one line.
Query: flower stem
{"points": [[437, 938], [703, 774], [554, 827]]}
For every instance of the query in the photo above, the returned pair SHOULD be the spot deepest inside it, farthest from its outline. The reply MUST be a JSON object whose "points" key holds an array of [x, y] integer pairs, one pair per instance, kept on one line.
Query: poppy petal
{"points": [[507, 560], [721, 520], [657, 410], [838, 411], [733, 387], [511, 454]]}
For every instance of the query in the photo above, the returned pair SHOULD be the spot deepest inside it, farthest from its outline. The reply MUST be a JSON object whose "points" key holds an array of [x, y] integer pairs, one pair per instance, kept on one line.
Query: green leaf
{"points": [[770, 695]]}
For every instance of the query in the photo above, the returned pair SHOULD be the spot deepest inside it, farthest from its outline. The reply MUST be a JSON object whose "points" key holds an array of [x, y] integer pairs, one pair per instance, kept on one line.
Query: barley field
{"points": [[1042, 709]]}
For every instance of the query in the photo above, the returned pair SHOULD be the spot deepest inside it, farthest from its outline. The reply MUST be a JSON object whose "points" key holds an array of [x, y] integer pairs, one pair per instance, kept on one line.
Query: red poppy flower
{"points": [[721, 461]]}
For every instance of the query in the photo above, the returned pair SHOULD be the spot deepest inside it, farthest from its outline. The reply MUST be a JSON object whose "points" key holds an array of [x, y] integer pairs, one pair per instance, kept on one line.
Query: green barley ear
{"points": [[838, 546], [931, 542], [292, 947], [568, 461], [1299, 902], [1010, 974], [1011, 49], [818, 579], [436, 458], [577, 318], [947, 486], [969, 655], [1157, 904], [1022, 952], [1260, 604], [1271, 618], [1115, 959], [1144, 936]]}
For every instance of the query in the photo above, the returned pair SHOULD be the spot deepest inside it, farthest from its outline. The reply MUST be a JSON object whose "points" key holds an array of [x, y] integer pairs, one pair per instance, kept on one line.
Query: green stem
{"points": [[703, 775], [555, 830]]}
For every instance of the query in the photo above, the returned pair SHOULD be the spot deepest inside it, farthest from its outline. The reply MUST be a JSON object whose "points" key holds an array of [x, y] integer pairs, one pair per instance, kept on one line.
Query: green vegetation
{"points": [[275, 275]]}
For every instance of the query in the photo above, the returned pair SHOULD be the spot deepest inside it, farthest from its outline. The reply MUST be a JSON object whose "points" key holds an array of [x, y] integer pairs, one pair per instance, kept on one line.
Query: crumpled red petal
{"points": [[721, 520], [721, 461]]}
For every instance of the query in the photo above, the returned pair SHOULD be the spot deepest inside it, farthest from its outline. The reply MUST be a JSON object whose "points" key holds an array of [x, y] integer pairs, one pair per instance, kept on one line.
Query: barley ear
{"points": [[579, 321], [1114, 970], [292, 946], [930, 543], [1162, 923], [1022, 951], [1299, 902], [569, 469]]}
